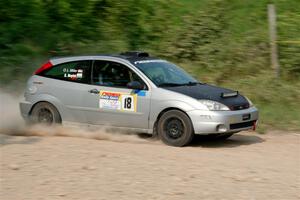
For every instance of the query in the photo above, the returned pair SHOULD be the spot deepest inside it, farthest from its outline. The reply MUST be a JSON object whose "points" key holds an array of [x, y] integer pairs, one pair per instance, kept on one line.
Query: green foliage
{"points": [[289, 38], [222, 42], [200, 35]]}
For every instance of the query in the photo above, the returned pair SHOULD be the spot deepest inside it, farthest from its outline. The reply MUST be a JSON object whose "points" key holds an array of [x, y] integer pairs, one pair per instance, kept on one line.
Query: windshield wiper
{"points": [[169, 84], [190, 83], [178, 84]]}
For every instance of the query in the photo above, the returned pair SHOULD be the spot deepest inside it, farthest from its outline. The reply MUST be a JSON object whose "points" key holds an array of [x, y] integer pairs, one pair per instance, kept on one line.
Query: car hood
{"points": [[214, 93]]}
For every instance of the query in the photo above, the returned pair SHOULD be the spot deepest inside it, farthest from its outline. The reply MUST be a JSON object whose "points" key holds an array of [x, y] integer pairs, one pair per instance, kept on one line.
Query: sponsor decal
{"points": [[140, 93], [73, 74], [118, 101], [148, 61], [79, 73]]}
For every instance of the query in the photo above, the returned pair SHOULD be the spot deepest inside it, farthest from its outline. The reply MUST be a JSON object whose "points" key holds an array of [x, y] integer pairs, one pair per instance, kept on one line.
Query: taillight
{"points": [[44, 67]]}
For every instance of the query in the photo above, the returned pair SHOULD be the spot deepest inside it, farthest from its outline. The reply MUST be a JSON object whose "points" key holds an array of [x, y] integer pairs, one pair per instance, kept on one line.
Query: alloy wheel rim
{"points": [[174, 128], [45, 116]]}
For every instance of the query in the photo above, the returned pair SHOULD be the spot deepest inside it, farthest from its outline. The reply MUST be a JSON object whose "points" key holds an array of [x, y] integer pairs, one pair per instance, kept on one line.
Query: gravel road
{"points": [[246, 166]]}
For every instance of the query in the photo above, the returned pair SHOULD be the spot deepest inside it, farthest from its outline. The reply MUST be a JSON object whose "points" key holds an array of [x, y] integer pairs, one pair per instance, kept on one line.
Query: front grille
{"points": [[240, 107], [242, 125]]}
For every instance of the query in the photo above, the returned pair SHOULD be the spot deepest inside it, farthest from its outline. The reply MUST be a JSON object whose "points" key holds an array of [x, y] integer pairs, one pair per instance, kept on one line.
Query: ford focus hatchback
{"points": [[137, 92]]}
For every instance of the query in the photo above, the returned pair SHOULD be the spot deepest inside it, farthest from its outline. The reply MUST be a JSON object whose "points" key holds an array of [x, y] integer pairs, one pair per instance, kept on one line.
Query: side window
{"points": [[113, 74], [77, 71]]}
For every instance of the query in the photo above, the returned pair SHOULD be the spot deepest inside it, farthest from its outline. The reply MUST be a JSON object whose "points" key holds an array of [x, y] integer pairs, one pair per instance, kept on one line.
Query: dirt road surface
{"points": [[247, 166]]}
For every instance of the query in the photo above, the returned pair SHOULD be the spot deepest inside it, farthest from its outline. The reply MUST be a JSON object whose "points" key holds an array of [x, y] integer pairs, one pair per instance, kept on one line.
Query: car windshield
{"points": [[165, 74]]}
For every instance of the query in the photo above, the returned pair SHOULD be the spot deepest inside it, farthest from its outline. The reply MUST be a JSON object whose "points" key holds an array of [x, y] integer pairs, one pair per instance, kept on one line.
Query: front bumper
{"points": [[209, 122]]}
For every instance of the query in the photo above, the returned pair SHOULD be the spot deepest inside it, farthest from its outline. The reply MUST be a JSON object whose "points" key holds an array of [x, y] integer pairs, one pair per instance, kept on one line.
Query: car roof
{"points": [[132, 57]]}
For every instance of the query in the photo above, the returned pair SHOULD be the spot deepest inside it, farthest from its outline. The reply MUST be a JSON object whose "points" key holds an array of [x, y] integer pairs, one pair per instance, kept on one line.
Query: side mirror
{"points": [[135, 85]]}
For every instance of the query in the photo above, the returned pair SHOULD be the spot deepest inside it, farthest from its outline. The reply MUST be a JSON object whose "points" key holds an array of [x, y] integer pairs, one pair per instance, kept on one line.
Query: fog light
{"points": [[221, 128]]}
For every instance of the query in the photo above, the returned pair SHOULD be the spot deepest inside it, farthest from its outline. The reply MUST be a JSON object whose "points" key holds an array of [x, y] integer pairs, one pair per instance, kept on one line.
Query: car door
{"points": [[111, 102]]}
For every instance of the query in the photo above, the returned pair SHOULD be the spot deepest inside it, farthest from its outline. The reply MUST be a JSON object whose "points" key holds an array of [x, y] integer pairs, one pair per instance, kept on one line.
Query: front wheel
{"points": [[175, 128], [45, 113]]}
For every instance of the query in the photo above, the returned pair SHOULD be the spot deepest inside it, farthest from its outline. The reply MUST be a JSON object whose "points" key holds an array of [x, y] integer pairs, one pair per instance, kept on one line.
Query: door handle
{"points": [[94, 91]]}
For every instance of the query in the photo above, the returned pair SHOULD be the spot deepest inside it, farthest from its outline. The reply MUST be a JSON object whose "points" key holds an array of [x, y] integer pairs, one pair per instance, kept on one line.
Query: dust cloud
{"points": [[10, 117], [11, 123]]}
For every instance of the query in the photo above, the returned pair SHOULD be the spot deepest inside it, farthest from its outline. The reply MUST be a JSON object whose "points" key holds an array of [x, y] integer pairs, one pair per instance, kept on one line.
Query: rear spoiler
{"points": [[229, 94]]}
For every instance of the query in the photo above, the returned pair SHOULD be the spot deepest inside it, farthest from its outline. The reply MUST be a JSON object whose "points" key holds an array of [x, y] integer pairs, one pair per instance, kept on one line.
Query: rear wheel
{"points": [[45, 113], [175, 128]]}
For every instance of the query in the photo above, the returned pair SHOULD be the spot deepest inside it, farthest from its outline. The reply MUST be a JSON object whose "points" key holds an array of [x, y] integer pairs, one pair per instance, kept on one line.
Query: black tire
{"points": [[45, 113], [175, 128]]}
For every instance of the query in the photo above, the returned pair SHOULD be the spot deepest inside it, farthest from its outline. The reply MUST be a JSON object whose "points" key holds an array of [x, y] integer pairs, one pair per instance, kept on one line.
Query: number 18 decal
{"points": [[128, 102]]}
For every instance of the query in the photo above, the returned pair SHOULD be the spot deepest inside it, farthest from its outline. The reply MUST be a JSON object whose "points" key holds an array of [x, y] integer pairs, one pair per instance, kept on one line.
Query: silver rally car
{"points": [[134, 91]]}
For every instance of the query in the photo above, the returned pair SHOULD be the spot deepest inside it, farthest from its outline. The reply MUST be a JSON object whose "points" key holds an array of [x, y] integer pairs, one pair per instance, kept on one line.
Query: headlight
{"points": [[213, 105], [249, 101]]}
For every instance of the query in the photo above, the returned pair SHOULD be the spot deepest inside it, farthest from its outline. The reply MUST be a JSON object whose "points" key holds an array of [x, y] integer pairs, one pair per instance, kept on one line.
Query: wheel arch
{"points": [[48, 98], [43, 101], [164, 111], [33, 105]]}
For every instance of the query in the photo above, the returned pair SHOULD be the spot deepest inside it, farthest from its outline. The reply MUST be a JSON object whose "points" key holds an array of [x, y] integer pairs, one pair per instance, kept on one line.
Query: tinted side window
{"points": [[77, 71], [107, 73]]}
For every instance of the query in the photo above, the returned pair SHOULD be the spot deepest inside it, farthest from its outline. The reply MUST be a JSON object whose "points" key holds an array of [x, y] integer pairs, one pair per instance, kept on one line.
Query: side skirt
{"points": [[94, 127]]}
